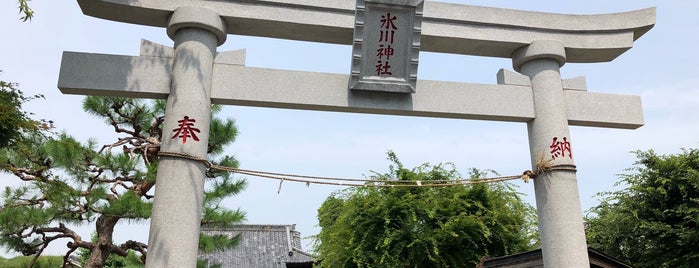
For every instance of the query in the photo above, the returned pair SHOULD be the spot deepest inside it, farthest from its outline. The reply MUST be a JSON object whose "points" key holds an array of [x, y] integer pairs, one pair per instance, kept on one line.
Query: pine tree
{"points": [[69, 183]]}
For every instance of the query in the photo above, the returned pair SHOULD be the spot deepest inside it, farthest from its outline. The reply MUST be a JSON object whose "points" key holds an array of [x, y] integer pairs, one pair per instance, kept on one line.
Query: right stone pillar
{"points": [[558, 206]]}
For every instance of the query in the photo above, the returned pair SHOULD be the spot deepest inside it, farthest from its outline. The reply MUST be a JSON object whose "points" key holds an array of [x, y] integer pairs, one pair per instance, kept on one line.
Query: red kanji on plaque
{"points": [[386, 51], [387, 31], [186, 129], [388, 26], [383, 68], [559, 148]]}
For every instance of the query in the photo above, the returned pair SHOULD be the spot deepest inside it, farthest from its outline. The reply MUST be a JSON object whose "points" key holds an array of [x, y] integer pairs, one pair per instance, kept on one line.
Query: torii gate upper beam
{"points": [[448, 28]]}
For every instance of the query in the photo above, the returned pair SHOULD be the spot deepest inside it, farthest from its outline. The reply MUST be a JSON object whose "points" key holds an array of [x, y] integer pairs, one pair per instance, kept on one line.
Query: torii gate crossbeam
{"points": [[509, 101]]}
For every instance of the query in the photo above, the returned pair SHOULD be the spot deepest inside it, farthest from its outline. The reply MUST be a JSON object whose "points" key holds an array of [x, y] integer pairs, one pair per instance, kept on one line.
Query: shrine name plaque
{"points": [[386, 45]]}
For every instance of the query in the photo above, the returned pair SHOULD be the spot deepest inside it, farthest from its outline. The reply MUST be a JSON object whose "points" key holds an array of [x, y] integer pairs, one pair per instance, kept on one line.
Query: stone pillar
{"points": [[179, 193], [557, 199]]}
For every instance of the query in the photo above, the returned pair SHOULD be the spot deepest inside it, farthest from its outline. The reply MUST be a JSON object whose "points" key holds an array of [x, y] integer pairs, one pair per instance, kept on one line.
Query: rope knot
{"points": [[527, 175]]}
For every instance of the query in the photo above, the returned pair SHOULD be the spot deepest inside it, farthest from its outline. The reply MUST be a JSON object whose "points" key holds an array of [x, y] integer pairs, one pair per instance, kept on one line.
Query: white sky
{"points": [[661, 68]]}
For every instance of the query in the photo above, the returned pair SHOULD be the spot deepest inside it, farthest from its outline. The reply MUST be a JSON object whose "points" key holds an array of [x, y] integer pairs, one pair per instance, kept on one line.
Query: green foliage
{"points": [[129, 206], [653, 221], [222, 132], [25, 10], [205, 264], [214, 243], [25, 262], [215, 215], [13, 120], [132, 260], [450, 226], [73, 182]]}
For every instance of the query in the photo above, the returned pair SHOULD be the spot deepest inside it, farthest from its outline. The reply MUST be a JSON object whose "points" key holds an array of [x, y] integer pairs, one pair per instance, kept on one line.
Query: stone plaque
{"points": [[386, 45]]}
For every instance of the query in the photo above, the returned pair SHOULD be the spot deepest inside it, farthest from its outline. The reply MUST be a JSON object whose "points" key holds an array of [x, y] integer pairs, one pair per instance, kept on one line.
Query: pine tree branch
{"points": [[119, 183], [120, 141], [141, 189], [136, 246], [66, 257], [62, 232], [27, 202], [134, 122], [148, 147], [131, 119], [27, 174], [155, 129], [93, 179]]}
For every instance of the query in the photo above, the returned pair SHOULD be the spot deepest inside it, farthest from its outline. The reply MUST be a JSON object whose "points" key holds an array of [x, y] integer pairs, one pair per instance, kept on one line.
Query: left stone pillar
{"points": [[177, 209]]}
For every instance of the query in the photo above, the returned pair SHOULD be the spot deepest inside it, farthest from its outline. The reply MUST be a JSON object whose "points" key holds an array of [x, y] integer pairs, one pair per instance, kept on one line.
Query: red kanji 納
{"points": [[559, 148]]}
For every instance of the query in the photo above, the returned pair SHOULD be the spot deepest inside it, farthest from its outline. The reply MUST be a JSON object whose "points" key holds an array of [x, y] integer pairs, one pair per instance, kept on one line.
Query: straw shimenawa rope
{"points": [[542, 166]]}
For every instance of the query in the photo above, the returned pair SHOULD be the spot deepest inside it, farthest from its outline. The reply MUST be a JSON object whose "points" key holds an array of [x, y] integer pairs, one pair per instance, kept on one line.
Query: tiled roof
{"points": [[261, 246], [534, 259]]}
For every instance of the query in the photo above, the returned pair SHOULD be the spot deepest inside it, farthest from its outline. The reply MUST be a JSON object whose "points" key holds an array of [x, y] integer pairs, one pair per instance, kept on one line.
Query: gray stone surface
{"points": [[186, 16], [386, 45], [148, 77], [575, 83], [561, 227], [177, 208], [451, 28]]}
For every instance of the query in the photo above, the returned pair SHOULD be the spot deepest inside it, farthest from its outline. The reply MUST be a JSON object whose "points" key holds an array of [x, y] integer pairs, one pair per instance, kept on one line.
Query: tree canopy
{"points": [[452, 226], [652, 222], [69, 183], [14, 121]]}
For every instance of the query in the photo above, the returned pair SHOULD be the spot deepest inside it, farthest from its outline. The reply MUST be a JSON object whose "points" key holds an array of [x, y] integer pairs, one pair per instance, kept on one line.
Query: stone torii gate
{"points": [[192, 76]]}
